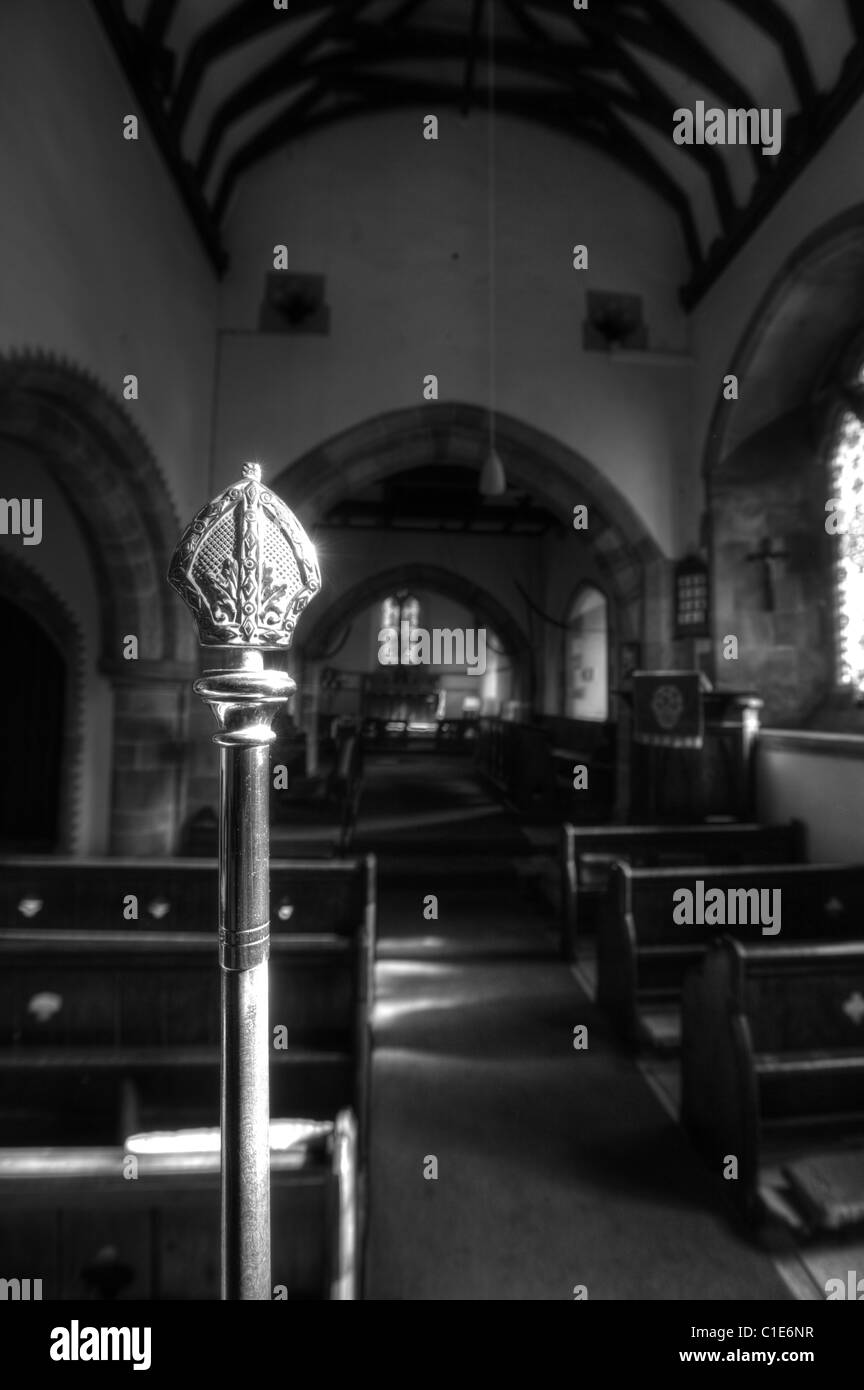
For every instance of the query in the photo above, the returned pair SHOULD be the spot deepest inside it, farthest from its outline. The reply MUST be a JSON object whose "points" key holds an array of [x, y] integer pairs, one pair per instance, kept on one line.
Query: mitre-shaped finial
{"points": [[245, 567]]}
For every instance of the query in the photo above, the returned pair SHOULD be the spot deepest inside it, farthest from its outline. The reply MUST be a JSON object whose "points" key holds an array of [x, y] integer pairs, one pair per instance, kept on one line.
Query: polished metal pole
{"points": [[247, 568], [243, 702]]}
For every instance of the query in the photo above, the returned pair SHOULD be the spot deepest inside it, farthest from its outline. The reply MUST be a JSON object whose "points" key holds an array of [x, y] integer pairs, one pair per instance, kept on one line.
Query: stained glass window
{"points": [[847, 522], [399, 609]]}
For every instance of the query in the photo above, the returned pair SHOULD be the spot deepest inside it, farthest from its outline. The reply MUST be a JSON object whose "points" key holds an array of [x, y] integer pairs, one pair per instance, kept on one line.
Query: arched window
{"points": [[399, 609], [586, 658], [846, 514]]}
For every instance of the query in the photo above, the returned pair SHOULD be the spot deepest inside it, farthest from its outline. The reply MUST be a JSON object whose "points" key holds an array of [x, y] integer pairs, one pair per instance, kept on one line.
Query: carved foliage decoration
{"points": [[245, 567]]}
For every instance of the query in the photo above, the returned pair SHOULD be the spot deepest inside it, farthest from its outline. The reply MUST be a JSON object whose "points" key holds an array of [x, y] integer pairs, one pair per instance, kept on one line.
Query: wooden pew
{"points": [[161, 990], [532, 765], [773, 1073], [112, 1029], [306, 895], [140, 1004], [588, 853], [90, 1225], [642, 954], [115, 1028]]}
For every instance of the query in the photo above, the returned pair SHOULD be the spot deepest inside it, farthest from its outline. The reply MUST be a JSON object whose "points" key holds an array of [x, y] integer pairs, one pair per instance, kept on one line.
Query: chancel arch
{"points": [[616, 544]]}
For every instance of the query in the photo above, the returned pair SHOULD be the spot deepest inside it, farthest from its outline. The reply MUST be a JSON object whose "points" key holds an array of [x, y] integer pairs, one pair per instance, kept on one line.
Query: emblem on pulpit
{"points": [[245, 567], [667, 706], [854, 1008]]}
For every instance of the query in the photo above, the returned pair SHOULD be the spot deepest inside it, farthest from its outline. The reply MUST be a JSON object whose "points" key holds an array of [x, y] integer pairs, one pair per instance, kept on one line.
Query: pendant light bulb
{"points": [[493, 482]]}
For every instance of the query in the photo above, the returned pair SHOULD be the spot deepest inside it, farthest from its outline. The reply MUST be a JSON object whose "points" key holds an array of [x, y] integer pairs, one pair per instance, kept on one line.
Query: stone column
{"points": [[151, 703]]}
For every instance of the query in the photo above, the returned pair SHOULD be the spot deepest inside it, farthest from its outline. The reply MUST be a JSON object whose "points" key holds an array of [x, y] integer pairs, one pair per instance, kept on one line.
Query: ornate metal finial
{"points": [[245, 567]]}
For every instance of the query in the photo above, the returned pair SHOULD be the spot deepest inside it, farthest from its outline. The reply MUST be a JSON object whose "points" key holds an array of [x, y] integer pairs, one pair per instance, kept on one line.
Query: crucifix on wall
{"points": [[767, 557]]}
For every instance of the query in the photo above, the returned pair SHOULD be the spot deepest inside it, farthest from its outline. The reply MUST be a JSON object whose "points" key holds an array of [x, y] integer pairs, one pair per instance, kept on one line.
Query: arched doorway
{"points": [[32, 728], [586, 658], [51, 699]]}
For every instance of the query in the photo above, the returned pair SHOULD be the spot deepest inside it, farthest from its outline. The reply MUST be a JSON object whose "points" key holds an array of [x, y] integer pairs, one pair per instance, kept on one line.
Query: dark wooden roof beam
{"points": [[774, 21], [156, 20], [124, 39], [796, 155], [284, 71], [471, 54], [561, 112], [243, 22]]}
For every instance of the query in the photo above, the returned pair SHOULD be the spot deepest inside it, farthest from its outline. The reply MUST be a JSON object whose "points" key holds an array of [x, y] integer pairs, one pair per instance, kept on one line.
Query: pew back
{"points": [[100, 1025], [82, 1223], [643, 953], [773, 1048], [173, 894], [588, 853]]}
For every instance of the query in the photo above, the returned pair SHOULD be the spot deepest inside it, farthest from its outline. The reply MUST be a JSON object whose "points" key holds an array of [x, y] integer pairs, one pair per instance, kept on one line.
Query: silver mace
{"points": [[247, 569]]}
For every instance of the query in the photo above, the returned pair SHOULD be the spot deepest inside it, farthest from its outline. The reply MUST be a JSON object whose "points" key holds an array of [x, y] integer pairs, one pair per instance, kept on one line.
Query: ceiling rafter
{"points": [[238, 25], [855, 16], [527, 23], [126, 41], [290, 122], [774, 21], [659, 32], [560, 111], [647, 105], [654, 100], [337, 59], [267, 82], [158, 19], [471, 55], [823, 120]]}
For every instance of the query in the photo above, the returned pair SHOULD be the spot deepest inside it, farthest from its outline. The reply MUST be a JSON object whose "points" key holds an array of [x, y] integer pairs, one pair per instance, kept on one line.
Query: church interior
{"points": [[564, 393]]}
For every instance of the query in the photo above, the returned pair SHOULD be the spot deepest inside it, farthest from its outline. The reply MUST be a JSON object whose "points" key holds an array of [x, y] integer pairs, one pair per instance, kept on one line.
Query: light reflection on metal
{"points": [[247, 569]]}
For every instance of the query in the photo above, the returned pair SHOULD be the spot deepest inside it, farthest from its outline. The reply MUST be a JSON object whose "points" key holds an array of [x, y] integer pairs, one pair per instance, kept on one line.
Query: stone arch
{"points": [[113, 485], [821, 284], [115, 489], [458, 433], [23, 586], [325, 626], [765, 463]]}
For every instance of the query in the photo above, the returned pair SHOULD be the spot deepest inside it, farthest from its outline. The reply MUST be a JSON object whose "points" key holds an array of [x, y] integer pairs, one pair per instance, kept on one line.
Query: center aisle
{"points": [[555, 1167]]}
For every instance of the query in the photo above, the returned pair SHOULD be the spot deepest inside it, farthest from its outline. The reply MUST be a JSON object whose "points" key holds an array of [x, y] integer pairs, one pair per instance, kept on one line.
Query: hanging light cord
{"points": [[491, 221]]}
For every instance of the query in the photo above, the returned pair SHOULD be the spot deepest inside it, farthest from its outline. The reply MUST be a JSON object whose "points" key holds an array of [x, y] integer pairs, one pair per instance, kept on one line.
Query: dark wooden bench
{"points": [[90, 1225], [113, 1017], [773, 1073], [103, 1031], [42, 891], [642, 954], [532, 766], [113, 1028], [588, 853]]}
